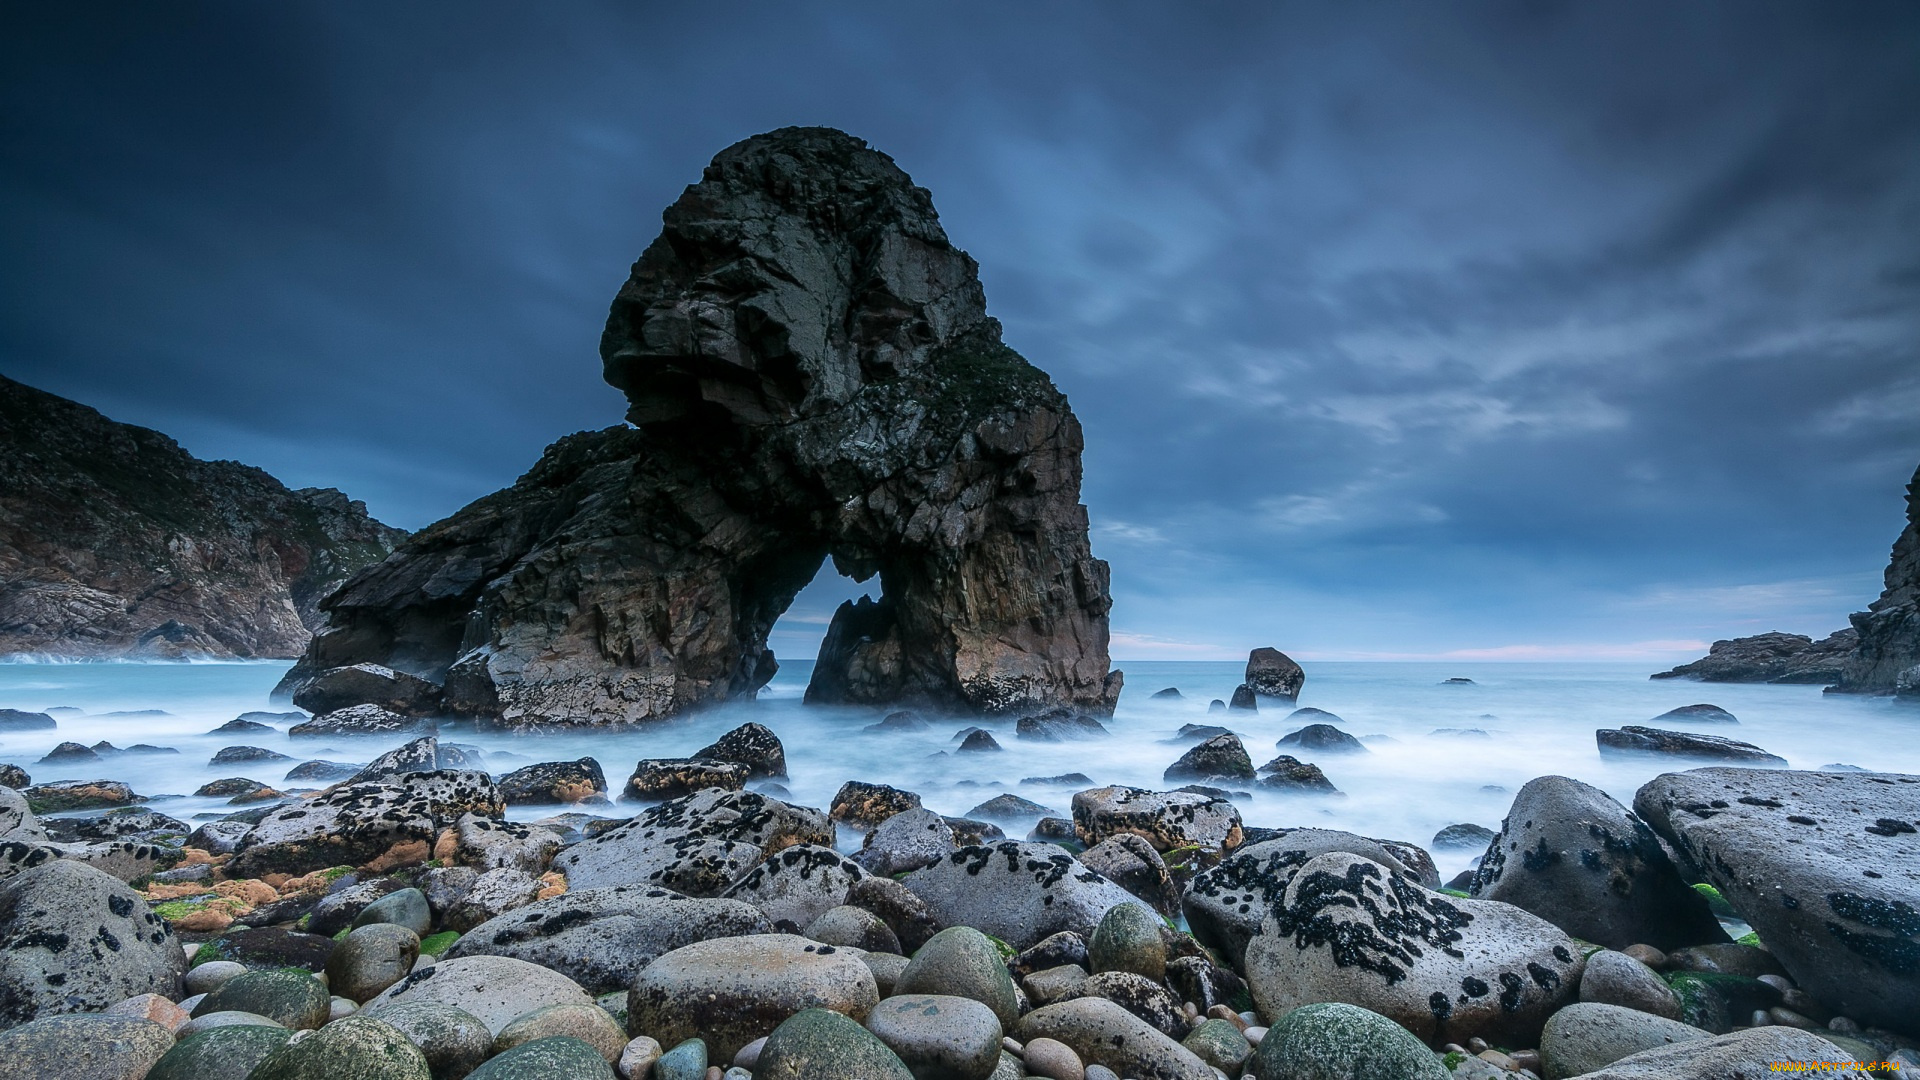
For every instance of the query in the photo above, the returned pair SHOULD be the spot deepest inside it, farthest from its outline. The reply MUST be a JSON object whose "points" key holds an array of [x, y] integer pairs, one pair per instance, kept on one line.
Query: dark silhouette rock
{"points": [[1288, 773], [553, 782], [1635, 739], [902, 720], [1171, 693], [1705, 714], [1243, 699], [1771, 658], [70, 752], [1216, 706], [246, 727], [234, 755], [368, 684], [980, 741], [1887, 658], [321, 771], [1222, 757], [1463, 837], [752, 745], [810, 373], [1009, 808], [1189, 733], [1272, 673], [1323, 738], [93, 516], [17, 720], [1059, 725]]}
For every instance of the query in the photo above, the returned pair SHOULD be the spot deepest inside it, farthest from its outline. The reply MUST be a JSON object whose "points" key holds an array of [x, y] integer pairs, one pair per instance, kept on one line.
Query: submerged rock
{"points": [[1702, 713], [1218, 759], [1322, 738], [1288, 773], [1059, 725], [360, 720], [1635, 739]]}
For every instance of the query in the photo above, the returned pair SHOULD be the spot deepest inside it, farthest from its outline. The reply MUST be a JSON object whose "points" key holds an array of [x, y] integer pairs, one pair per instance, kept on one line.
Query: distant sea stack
{"points": [[1771, 658], [811, 373], [1887, 659], [116, 543]]}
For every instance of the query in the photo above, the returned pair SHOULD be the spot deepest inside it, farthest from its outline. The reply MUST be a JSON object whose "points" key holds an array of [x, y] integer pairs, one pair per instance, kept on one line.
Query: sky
{"points": [[1533, 331]]}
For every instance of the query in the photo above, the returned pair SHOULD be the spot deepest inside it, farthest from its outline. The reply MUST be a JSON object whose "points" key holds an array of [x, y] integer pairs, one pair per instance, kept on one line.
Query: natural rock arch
{"points": [[811, 373]]}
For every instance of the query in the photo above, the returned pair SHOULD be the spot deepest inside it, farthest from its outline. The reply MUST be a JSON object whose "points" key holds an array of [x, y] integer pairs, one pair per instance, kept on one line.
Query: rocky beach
{"points": [[421, 854]]}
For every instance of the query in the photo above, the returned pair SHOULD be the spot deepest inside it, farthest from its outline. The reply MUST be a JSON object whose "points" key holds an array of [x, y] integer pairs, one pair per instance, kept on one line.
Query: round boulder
{"points": [[496, 990], [292, 999], [454, 1041], [84, 1048], [730, 991], [1334, 1041], [961, 962], [223, 1053], [1104, 1034], [370, 959], [939, 1037], [820, 1043], [590, 1024], [1586, 1037], [354, 1048], [1128, 939]]}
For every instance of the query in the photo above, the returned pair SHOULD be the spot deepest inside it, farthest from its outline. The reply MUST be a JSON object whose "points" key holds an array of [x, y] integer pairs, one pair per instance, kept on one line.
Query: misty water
{"points": [[1536, 718]]}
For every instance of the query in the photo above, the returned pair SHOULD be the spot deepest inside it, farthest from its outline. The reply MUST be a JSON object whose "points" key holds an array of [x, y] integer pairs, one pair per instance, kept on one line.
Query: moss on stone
{"points": [[436, 944]]}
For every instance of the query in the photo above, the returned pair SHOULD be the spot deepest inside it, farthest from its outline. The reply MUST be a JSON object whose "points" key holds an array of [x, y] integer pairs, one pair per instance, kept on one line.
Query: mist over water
{"points": [[1537, 718]]}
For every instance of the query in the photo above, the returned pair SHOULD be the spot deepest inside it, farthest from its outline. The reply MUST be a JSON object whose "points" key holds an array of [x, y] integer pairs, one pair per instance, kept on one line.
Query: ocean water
{"points": [[1537, 719]]}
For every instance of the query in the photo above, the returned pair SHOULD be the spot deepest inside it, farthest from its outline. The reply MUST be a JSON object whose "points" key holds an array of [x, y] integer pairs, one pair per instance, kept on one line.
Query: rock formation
{"points": [[115, 542], [1887, 659], [811, 373], [1771, 658]]}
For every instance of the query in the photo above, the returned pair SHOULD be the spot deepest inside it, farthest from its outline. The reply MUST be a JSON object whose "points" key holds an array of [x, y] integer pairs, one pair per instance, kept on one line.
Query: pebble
{"points": [[1844, 1025], [224, 1018], [688, 1061], [1255, 1033], [638, 1056], [749, 1056], [1527, 1059], [1054, 1060], [207, 977], [1101, 1072], [152, 1007], [1221, 1012], [1647, 955], [340, 1008], [1786, 1017], [1010, 1044], [1128, 939]]}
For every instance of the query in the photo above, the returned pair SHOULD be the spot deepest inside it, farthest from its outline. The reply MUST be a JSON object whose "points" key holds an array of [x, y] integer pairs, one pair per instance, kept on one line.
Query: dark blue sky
{"points": [[1555, 330]]}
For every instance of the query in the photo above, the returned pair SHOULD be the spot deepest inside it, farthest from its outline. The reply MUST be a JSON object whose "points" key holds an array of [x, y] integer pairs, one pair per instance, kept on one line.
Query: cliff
{"points": [[1887, 659], [115, 542]]}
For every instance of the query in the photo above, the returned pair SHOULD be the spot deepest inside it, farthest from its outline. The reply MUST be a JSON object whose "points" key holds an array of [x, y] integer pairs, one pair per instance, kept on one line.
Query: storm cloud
{"points": [[1555, 330]]}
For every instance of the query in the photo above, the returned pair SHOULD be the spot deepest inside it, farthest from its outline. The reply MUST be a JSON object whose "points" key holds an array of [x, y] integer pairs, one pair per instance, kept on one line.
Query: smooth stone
{"points": [[854, 927], [1102, 1033], [370, 959], [961, 962], [453, 1041], [1220, 1044], [357, 1048], [906, 841], [496, 989], [1056, 984], [1588, 1036], [687, 1061], [225, 1018], [292, 999], [78, 939], [749, 1056], [1101, 1072], [559, 1057], [1336, 1041], [1053, 1060], [637, 1057], [939, 1037], [731, 991], [405, 907], [886, 969], [590, 1024], [817, 1043], [83, 1048], [1739, 1054], [1614, 978], [1128, 939], [150, 1007], [227, 1053], [208, 977], [339, 1008], [1018, 892]]}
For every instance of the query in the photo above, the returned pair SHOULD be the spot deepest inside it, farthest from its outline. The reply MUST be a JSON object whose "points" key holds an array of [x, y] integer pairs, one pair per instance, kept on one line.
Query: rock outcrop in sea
{"points": [[1887, 659], [117, 543], [810, 373], [1771, 658]]}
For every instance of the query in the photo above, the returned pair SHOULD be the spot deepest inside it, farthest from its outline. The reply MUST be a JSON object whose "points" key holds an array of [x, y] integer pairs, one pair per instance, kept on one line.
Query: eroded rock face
{"points": [[810, 372], [1771, 658], [1824, 866], [1887, 658]]}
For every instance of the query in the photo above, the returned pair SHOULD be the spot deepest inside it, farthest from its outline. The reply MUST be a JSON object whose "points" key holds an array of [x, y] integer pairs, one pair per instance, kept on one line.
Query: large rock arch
{"points": [[811, 373]]}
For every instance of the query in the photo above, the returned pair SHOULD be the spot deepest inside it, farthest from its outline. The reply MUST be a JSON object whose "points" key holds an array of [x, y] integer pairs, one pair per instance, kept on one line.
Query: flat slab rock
{"points": [[697, 845], [1165, 819], [1639, 739], [1824, 866]]}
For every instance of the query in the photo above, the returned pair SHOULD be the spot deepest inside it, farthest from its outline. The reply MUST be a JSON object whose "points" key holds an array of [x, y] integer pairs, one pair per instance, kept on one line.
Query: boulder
{"points": [[590, 1024], [353, 1048], [1129, 939], [1220, 1044], [1009, 808], [1059, 725], [1167, 820], [322, 772], [359, 823], [70, 753], [1696, 714], [492, 895], [656, 779], [1323, 739], [243, 726], [1570, 854], [908, 916], [752, 745], [1351, 929], [1772, 658], [1635, 739], [13, 776], [368, 684], [223, 1053], [798, 884], [1219, 759], [980, 742], [370, 959], [1272, 673], [1171, 693], [822, 1043], [496, 990], [74, 939], [906, 841], [1102, 1033], [1886, 657], [268, 947], [292, 999], [853, 927], [1131, 863], [1018, 892], [1824, 866], [486, 843], [1289, 774], [18, 822], [553, 783], [419, 755], [1335, 1041], [558, 1057], [1614, 978], [1585, 1037], [64, 795], [361, 720], [697, 845], [937, 1036], [1742, 1055], [867, 805], [15, 720], [84, 1048], [961, 961], [731, 991], [235, 755], [1243, 699], [1463, 837], [453, 1041]]}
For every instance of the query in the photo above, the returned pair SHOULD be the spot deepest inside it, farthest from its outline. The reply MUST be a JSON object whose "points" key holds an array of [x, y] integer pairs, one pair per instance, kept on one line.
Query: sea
{"points": [[1436, 753]]}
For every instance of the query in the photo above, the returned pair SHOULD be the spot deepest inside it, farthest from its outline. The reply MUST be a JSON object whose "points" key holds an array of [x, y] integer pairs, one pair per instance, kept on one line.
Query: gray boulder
{"points": [[655, 779], [732, 991], [358, 823], [368, 684], [939, 1036], [1104, 1034], [1220, 758], [1272, 673], [351, 1048], [1321, 739], [798, 884], [961, 962], [492, 895], [1696, 714], [1571, 855], [486, 843], [84, 1048], [1334, 1041], [697, 845], [1018, 892], [1743, 1055], [1351, 929], [906, 841], [224, 1053], [1165, 819], [360, 720], [1824, 866], [453, 1041], [825, 1043], [17, 821], [1585, 1037], [551, 783], [74, 939], [1614, 978], [1131, 863], [496, 990]]}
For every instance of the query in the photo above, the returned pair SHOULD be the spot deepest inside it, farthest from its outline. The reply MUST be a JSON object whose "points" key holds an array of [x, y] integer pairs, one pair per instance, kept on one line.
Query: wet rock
{"points": [[854, 927], [1131, 863], [1322, 739], [1288, 773], [368, 684], [1242, 700], [1128, 939], [590, 1024], [1049, 986], [269, 947], [361, 720], [867, 805], [1635, 739], [1221, 758], [1220, 1044], [1351, 929], [1585, 1037], [496, 990], [1571, 855], [1199, 980], [370, 959], [1697, 714], [1614, 978], [74, 939], [752, 745], [420, 755], [698, 845], [359, 823], [731, 991], [84, 1048], [17, 820], [1773, 657], [798, 884], [1742, 1054], [980, 742], [1272, 673], [68, 753], [215, 1021], [1719, 1002], [13, 776], [14, 720], [823, 1042], [453, 1041], [355, 1048], [553, 783], [321, 772], [243, 726], [1727, 956], [939, 1037], [967, 832], [63, 795], [1824, 866], [1072, 780], [687, 1061], [1166, 820], [1141, 996], [1054, 830], [236, 755], [493, 894], [225, 1053], [1009, 808], [206, 977], [490, 844], [1059, 725], [900, 720], [1017, 892], [1050, 1059], [638, 1057], [292, 999], [1335, 1041], [911, 920], [1463, 837], [1102, 1033], [1171, 693], [1065, 947], [230, 788], [961, 962], [906, 841], [655, 779]]}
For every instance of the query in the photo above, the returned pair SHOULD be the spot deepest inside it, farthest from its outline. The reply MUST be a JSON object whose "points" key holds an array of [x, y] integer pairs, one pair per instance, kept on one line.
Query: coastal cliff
{"points": [[1887, 659], [117, 543]]}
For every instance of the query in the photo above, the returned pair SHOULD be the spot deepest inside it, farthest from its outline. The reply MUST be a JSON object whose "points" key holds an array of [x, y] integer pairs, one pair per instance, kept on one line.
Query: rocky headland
{"points": [[811, 373], [117, 543]]}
